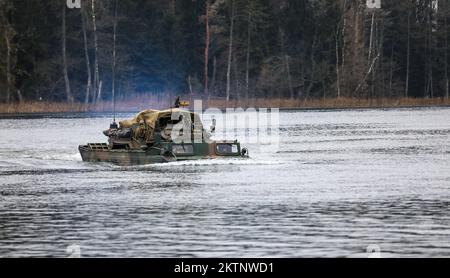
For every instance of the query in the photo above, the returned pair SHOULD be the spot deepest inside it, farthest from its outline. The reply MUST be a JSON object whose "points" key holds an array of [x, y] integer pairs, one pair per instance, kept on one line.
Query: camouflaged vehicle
{"points": [[159, 136]]}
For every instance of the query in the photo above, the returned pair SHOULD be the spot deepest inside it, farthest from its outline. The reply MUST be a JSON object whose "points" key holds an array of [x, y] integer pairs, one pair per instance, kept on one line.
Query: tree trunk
{"points": [[99, 96], [313, 68], [19, 95], [113, 85], [236, 78], [374, 51], [8, 65], [213, 82], [408, 55], [358, 46], [338, 74], [288, 71], [369, 60], [64, 56], [363, 81], [301, 91], [430, 46], [86, 54], [230, 51], [354, 58], [207, 43], [446, 51], [324, 91], [247, 64], [344, 30], [344, 41], [96, 67], [381, 65], [391, 70]]}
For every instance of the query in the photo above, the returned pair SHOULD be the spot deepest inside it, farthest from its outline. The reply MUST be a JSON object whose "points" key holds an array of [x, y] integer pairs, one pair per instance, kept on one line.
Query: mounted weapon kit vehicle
{"points": [[154, 136]]}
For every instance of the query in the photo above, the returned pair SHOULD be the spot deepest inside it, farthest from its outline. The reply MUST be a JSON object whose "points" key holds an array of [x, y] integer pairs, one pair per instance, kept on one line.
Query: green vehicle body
{"points": [[149, 142]]}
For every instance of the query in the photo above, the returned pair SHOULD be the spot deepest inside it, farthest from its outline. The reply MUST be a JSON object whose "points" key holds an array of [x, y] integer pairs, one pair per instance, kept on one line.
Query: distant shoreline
{"points": [[131, 106]]}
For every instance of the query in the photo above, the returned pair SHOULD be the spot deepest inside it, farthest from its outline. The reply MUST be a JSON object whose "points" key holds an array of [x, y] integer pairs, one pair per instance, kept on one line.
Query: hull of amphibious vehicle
{"points": [[165, 153], [152, 137]]}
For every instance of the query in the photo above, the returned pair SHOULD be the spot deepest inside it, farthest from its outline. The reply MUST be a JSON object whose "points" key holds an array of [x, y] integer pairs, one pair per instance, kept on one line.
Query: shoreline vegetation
{"points": [[139, 104], [280, 52]]}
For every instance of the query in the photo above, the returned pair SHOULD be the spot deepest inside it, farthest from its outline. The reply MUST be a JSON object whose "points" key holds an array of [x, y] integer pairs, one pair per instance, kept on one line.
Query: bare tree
{"points": [[429, 90], [8, 34], [408, 53], [354, 58], [97, 87], [64, 56], [338, 73], [214, 76], [86, 54], [247, 63], [113, 85], [207, 43], [289, 75], [211, 7], [255, 20], [391, 70], [237, 86], [339, 39], [446, 50], [313, 67], [230, 49]]}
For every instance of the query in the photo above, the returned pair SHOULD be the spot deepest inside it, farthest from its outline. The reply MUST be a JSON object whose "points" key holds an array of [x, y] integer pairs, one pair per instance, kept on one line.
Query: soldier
{"points": [[139, 134], [177, 102], [140, 130], [213, 125]]}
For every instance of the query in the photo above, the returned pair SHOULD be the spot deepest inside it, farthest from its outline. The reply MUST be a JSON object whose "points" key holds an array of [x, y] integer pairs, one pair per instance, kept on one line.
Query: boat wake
{"points": [[63, 157], [65, 163], [204, 163], [34, 172]]}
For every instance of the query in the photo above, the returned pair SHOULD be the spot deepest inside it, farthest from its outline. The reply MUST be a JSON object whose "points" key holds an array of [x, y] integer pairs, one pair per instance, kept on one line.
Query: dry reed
{"points": [[141, 103]]}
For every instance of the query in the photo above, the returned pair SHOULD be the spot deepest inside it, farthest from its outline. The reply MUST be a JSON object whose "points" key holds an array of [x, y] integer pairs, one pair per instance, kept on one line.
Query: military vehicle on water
{"points": [[154, 136]]}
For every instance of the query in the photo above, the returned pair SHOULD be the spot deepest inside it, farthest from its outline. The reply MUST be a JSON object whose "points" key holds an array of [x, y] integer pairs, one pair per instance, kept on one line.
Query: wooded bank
{"points": [[138, 104], [309, 51]]}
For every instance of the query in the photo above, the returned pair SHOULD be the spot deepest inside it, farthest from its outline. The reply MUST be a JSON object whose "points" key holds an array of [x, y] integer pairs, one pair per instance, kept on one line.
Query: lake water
{"points": [[341, 181]]}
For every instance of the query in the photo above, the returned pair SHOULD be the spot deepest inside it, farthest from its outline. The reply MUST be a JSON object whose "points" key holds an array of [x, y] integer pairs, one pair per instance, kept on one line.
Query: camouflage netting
{"points": [[150, 117]]}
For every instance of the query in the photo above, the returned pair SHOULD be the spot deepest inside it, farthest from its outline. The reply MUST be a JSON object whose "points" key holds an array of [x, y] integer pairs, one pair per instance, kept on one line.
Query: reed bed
{"points": [[142, 103]]}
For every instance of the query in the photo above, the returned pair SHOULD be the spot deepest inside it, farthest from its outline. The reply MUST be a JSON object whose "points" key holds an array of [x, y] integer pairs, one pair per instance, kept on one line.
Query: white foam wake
{"points": [[63, 156], [219, 161]]}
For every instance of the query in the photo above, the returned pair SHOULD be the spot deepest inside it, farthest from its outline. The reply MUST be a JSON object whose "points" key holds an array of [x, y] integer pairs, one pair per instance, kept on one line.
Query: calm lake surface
{"points": [[339, 182]]}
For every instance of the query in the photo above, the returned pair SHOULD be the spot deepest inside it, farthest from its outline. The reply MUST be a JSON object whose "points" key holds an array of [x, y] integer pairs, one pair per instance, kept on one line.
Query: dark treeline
{"points": [[233, 49]]}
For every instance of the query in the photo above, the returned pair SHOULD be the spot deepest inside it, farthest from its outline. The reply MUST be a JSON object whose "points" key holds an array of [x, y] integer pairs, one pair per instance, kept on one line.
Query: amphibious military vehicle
{"points": [[154, 136]]}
